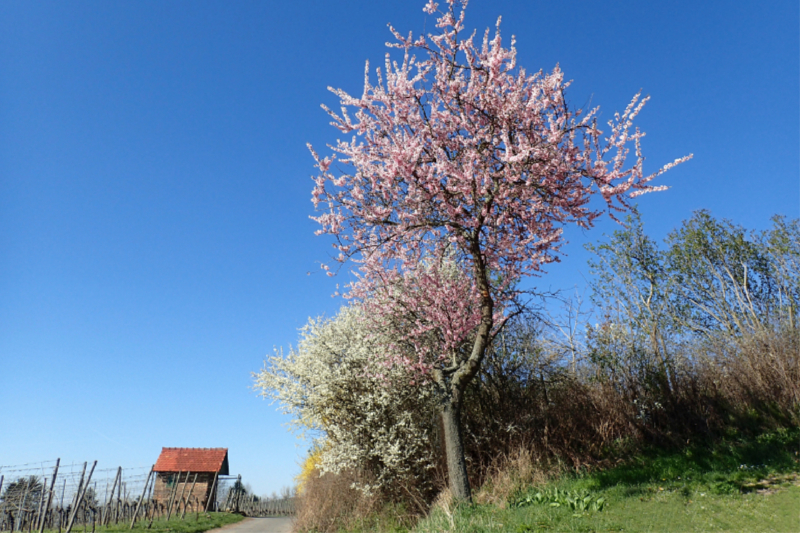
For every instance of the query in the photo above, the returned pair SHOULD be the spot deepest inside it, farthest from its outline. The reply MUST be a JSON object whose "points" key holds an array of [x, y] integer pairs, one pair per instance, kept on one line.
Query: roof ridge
{"points": [[188, 448]]}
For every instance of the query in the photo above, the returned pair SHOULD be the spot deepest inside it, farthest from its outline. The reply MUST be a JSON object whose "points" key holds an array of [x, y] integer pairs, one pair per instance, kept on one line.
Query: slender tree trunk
{"points": [[453, 390], [451, 408], [454, 451]]}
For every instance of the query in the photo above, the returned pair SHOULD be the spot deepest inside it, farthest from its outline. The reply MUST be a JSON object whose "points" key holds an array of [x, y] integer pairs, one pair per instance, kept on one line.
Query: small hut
{"points": [[178, 469]]}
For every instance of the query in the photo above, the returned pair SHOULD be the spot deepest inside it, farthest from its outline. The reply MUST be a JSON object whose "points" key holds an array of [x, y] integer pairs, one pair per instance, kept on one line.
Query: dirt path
{"points": [[258, 525]]}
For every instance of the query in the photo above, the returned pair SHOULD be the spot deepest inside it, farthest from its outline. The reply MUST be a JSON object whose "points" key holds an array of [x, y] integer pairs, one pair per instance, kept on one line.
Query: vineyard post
{"points": [[149, 500], [188, 497], [21, 506], [229, 498], [41, 502], [79, 496], [61, 506], [118, 503], [141, 498], [172, 495], [183, 490], [105, 517], [49, 495], [73, 508], [155, 505], [212, 494], [238, 493]]}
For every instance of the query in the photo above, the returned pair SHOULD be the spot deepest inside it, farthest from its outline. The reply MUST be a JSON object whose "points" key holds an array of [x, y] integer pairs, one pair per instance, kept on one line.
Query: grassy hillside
{"points": [[740, 484], [645, 508]]}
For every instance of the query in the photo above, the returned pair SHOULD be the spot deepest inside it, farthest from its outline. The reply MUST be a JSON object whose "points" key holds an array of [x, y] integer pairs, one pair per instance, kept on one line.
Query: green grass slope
{"points": [[740, 484]]}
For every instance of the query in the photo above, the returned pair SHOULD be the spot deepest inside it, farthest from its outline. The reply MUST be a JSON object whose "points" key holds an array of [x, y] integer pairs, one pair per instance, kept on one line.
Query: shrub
{"points": [[367, 417]]}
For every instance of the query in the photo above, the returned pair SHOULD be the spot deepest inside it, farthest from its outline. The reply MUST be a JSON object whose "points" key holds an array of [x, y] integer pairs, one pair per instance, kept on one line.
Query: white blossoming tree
{"points": [[366, 416]]}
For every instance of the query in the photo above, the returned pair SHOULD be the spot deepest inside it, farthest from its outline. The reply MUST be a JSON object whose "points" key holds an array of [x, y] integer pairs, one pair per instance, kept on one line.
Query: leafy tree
{"points": [[781, 245], [722, 275], [461, 154], [25, 492], [712, 280], [634, 288]]}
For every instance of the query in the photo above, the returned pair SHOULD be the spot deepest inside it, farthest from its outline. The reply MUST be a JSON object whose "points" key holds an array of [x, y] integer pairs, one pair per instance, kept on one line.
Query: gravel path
{"points": [[258, 525]]}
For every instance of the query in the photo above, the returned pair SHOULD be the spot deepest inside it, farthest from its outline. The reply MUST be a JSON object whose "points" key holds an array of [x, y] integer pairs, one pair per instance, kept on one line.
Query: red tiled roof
{"points": [[193, 460]]}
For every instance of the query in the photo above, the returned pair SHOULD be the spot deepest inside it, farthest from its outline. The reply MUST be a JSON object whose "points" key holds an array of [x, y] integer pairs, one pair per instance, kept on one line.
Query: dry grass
{"points": [[759, 371], [566, 422], [511, 472], [329, 503]]}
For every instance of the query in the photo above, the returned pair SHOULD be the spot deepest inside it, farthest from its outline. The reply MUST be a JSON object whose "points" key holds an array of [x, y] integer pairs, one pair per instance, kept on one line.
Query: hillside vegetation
{"points": [[672, 396]]}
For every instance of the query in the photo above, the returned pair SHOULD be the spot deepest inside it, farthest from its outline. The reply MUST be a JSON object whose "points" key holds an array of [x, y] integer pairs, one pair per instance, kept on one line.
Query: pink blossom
{"points": [[460, 173]]}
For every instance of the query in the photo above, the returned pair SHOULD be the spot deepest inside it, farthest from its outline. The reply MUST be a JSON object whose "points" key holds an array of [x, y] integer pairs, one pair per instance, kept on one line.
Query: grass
{"points": [[657, 512], [740, 484], [392, 518], [191, 524]]}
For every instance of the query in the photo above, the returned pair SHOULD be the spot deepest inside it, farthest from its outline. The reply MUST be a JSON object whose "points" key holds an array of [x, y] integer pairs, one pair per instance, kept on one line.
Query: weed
{"points": [[576, 500]]}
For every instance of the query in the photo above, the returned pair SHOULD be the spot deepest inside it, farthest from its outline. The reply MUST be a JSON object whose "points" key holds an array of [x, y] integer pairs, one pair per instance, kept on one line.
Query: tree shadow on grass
{"points": [[733, 460]]}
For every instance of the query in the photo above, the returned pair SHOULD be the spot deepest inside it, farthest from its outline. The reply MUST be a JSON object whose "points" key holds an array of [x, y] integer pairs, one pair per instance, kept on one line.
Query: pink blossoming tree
{"points": [[461, 171]]}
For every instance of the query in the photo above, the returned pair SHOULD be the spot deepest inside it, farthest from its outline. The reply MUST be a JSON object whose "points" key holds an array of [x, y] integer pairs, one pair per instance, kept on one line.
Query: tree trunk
{"points": [[454, 451], [454, 390]]}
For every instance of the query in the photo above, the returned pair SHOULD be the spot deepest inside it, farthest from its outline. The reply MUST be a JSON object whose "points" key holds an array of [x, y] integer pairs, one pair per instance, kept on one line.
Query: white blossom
{"points": [[365, 415]]}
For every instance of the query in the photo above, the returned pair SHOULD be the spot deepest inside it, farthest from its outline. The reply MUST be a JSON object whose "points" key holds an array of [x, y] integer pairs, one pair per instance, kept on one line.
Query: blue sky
{"points": [[154, 189]]}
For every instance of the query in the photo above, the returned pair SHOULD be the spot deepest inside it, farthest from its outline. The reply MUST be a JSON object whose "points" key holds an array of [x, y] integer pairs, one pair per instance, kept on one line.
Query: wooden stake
{"points": [[21, 505], [238, 494], [118, 504], [61, 507], [106, 518], [183, 490], [172, 496], [49, 494], [189, 496], [80, 498], [141, 498], [74, 509], [212, 494], [41, 504]]}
